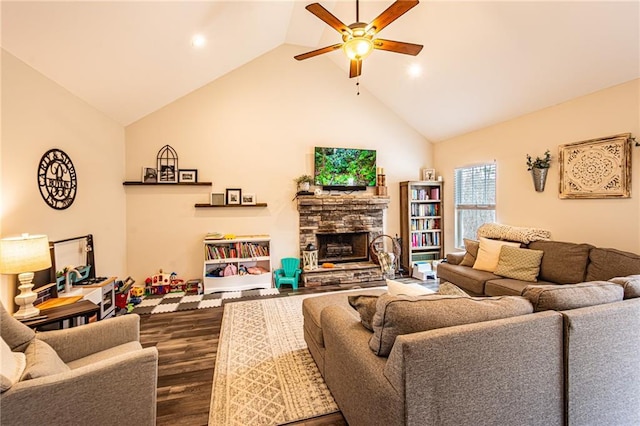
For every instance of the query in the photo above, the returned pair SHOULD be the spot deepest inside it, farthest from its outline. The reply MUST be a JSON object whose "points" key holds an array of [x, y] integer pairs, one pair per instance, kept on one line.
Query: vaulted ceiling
{"points": [[483, 62]]}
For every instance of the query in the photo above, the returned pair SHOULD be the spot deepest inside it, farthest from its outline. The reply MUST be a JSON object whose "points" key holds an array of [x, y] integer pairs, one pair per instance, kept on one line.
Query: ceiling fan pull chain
{"points": [[358, 86]]}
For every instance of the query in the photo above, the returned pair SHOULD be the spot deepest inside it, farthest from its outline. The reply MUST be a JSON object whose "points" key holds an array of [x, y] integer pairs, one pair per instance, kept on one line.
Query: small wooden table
{"points": [[82, 309]]}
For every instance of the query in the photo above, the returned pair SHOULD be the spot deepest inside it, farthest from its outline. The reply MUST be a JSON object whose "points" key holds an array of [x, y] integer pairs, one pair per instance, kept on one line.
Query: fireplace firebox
{"points": [[343, 247]]}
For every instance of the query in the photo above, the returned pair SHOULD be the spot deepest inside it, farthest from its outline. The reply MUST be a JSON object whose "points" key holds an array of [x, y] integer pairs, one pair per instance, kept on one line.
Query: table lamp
{"points": [[23, 256]]}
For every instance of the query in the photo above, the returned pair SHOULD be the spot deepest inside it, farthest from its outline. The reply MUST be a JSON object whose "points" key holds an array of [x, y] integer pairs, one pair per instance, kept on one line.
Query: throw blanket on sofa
{"points": [[512, 233]]}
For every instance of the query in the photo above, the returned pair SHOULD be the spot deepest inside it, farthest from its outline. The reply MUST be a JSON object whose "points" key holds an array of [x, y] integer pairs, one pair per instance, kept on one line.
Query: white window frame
{"points": [[484, 178]]}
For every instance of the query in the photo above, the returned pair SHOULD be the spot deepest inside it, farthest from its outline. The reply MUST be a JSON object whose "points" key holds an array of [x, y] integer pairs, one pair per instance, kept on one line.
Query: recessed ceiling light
{"points": [[414, 70], [198, 40]]}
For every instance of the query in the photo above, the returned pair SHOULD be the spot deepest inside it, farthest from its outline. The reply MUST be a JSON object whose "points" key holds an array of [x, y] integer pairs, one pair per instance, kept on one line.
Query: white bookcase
{"points": [[242, 251], [421, 225]]}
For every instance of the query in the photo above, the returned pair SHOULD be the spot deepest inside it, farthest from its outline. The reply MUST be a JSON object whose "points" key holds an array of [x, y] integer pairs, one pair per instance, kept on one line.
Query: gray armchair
{"points": [[93, 374]]}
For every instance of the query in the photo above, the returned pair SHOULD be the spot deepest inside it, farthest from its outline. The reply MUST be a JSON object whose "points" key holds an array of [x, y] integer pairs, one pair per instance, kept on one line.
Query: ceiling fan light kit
{"points": [[358, 38]]}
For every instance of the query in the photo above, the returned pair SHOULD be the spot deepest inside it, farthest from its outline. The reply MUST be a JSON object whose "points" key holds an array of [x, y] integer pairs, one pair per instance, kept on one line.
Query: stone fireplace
{"points": [[341, 227]]}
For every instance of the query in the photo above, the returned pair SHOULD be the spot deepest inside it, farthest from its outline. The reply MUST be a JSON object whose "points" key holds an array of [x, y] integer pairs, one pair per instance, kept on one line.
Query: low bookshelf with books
{"points": [[239, 263], [421, 228]]}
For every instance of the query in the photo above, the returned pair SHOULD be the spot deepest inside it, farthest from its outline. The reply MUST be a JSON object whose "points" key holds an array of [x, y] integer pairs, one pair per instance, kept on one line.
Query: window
{"points": [[475, 200]]}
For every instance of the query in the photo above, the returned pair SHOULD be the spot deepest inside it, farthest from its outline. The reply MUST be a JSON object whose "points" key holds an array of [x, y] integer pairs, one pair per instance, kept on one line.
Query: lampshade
{"points": [[27, 253], [358, 47]]}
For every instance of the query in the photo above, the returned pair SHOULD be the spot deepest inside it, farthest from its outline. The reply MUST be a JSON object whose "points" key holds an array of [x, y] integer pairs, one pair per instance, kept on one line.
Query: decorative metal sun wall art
{"points": [[596, 168], [167, 165]]}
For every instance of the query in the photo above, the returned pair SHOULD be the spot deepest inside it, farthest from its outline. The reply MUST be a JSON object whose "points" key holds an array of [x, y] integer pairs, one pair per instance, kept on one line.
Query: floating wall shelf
{"points": [[231, 205], [168, 184]]}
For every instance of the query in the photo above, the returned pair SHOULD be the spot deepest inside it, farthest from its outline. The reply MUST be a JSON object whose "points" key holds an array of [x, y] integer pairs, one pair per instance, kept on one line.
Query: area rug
{"points": [[264, 374], [179, 301]]}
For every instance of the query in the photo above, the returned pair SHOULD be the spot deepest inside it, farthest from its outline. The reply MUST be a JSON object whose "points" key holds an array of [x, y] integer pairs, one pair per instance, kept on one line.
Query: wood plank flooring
{"points": [[187, 345]]}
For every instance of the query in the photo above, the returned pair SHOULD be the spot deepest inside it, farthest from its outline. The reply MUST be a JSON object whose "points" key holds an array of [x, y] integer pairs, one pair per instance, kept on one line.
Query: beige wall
{"points": [[604, 222], [254, 129], [37, 115]]}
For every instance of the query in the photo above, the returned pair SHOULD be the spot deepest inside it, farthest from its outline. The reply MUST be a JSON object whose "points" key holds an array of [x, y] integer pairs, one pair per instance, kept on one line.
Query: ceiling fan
{"points": [[358, 38]]}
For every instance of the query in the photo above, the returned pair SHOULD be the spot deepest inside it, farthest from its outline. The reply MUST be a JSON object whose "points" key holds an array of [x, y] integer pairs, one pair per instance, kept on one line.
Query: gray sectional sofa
{"points": [[562, 263], [533, 365]]}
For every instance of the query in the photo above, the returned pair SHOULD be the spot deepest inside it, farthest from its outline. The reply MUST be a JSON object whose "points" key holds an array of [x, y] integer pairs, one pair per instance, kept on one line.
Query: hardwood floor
{"points": [[187, 344]]}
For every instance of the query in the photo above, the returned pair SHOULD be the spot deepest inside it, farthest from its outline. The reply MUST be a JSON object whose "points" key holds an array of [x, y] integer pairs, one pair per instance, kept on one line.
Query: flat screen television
{"points": [[346, 169]]}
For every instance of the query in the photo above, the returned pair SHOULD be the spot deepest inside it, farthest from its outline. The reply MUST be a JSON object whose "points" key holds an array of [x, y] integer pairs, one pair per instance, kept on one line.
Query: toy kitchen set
{"points": [[73, 275]]}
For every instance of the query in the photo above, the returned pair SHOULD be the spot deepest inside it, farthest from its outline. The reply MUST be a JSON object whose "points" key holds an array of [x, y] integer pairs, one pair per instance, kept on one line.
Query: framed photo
{"points": [[596, 168], [217, 199], [248, 199], [188, 175], [167, 174], [149, 175], [233, 196], [428, 174]]}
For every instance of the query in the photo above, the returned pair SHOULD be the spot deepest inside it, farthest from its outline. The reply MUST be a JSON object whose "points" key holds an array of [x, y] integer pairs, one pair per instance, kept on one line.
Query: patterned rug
{"points": [[264, 374], [179, 301]]}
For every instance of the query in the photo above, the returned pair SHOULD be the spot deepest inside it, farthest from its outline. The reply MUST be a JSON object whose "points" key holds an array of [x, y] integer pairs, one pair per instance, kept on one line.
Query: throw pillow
{"points": [[397, 288], [472, 247], [449, 289], [630, 284], [398, 315], [519, 264], [489, 253], [563, 297], [11, 367], [42, 360], [366, 306]]}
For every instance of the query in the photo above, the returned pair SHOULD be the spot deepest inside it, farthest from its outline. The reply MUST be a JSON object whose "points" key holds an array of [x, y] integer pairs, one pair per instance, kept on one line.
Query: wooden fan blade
{"points": [[318, 52], [393, 12], [355, 68], [326, 16], [397, 46]]}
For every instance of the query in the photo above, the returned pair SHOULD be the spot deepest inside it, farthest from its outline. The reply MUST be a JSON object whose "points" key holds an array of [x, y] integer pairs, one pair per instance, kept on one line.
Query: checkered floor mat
{"points": [[172, 302]]}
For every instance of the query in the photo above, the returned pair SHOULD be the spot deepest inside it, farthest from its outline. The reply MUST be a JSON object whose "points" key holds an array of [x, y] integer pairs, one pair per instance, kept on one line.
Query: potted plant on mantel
{"points": [[538, 169], [304, 182]]}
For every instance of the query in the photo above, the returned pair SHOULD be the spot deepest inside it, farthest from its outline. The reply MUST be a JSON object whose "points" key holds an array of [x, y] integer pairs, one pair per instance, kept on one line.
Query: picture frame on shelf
{"points": [[233, 196], [428, 174], [149, 175], [217, 199], [167, 174], [188, 176], [248, 199]]}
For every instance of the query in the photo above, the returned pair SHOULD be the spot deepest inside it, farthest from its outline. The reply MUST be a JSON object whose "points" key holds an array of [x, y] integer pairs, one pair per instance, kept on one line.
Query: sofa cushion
{"points": [[630, 285], [11, 367], [471, 247], [449, 289], [397, 315], [42, 360], [505, 287], [609, 263], [366, 307], [469, 279], [489, 253], [518, 263], [562, 263], [572, 296]]}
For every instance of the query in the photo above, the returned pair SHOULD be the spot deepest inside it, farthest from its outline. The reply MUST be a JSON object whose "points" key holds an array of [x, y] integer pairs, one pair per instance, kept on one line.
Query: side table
{"points": [[81, 309]]}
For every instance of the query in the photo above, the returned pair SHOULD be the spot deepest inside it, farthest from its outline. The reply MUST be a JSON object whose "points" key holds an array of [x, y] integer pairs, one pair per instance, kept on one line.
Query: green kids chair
{"points": [[289, 273]]}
